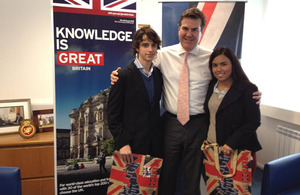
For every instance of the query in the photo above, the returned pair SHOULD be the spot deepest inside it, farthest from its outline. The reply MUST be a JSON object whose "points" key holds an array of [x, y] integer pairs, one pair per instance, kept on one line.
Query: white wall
{"points": [[269, 57], [271, 37], [150, 12], [26, 57], [270, 50]]}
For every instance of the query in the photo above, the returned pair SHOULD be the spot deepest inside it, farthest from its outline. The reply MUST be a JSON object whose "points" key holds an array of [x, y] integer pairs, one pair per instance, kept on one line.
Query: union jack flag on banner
{"points": [[140, 177], [120, 8]]}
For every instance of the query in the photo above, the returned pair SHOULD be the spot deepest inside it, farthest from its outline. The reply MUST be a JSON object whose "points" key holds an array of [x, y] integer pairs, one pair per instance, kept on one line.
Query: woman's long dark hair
{"points": [[238, 73]]}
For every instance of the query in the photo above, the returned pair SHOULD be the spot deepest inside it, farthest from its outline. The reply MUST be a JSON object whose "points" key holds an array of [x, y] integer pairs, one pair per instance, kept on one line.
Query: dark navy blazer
{"points": [[237, 117], [132, 119]]}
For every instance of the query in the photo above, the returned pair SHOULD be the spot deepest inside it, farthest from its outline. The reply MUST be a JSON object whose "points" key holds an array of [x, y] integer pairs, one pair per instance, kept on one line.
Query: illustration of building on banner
{"points": [[62, 145], [89, 127]]}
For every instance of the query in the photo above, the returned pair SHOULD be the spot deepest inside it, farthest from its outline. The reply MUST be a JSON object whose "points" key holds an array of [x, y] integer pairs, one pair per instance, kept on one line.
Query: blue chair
{"points": [[10, 181], [282, 176]]}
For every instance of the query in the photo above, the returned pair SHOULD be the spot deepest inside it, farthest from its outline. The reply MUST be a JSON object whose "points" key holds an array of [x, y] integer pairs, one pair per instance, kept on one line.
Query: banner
{"points": [[91, 38], [224, 27]]}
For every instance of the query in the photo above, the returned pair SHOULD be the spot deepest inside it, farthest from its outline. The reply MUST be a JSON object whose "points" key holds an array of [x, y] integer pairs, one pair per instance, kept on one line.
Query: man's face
{"points": [[147, 50], [189, 33]]}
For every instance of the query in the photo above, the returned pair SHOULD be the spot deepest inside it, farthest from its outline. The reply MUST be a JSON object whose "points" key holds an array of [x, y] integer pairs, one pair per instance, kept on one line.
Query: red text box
{"points": [[80, 58]]}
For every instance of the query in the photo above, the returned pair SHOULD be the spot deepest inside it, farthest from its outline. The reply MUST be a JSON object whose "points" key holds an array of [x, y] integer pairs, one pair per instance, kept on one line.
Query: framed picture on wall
{"points": [[43, 120], [12, 112]]}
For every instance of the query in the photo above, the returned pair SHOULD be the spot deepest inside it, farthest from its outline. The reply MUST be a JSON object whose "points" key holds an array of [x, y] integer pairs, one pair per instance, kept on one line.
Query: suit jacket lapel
{"points": [[235, 91]]}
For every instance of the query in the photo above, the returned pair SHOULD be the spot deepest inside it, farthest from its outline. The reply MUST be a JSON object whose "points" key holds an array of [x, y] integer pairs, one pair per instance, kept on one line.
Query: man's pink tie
{"points": [[183, 111]]}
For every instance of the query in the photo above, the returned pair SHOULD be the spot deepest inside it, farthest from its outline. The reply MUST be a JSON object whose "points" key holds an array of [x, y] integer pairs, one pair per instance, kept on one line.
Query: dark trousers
{"points": [[182, 144]]}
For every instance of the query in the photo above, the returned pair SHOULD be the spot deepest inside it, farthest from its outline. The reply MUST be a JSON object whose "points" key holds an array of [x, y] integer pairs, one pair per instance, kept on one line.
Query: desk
{"points": [[35, 157]]}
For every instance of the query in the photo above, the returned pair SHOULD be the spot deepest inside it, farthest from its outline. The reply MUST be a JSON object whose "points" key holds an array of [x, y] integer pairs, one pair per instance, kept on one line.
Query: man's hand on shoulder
{"points": [[114, 76], [257, 96]]}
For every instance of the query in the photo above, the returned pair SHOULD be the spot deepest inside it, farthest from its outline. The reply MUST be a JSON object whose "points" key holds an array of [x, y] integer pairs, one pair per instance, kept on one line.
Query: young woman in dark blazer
{"points": [[233, 114]]}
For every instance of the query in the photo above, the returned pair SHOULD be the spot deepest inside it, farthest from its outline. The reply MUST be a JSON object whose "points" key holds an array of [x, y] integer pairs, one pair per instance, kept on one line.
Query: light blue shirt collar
{"points": [[142, 69]]}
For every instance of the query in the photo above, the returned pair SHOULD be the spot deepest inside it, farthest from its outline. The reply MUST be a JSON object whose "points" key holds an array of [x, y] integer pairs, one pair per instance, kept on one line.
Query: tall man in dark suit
{"points": [[133, 106]]}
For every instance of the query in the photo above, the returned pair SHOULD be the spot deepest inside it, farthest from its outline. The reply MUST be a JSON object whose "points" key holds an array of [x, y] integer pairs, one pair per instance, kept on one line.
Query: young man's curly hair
{"points": [[138, 38]]}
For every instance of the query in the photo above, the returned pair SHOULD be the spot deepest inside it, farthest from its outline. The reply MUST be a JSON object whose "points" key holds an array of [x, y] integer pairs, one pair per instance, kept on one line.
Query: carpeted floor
{"points": [[257, 178]]}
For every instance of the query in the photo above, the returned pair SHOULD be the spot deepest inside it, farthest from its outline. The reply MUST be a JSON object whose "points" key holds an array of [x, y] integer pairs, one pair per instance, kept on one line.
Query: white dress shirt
{"points": [[169, 61]]}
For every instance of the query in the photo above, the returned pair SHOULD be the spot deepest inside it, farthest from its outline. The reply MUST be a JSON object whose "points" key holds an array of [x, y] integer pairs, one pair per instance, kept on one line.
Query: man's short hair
{"points": [[193, 13]]}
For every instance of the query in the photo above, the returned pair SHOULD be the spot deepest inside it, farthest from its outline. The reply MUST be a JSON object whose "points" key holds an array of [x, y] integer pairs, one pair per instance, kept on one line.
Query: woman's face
{"points": [[222, 68]]}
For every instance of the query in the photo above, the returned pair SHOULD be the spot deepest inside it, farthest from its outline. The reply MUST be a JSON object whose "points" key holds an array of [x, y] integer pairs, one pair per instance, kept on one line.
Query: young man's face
{"points": [[189, 33], [147, 50]]}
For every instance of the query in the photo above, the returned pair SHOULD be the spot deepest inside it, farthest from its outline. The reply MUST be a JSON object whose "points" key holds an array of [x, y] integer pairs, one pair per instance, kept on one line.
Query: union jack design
{"points": [[119, 5], [239, 166], [140, 177], [146, 171], [120, 8], [84, 4], [224, 21]]}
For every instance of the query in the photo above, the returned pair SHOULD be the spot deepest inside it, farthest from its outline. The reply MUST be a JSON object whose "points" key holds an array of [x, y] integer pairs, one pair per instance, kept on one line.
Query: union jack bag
{"points": [[140, 177], [227, 173]]}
